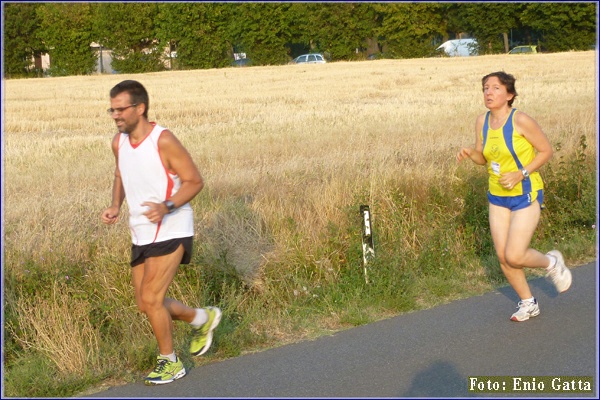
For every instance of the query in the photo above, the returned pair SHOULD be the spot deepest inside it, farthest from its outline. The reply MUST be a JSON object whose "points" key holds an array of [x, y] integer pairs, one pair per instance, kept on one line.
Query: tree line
{"points": [[207, 35]]}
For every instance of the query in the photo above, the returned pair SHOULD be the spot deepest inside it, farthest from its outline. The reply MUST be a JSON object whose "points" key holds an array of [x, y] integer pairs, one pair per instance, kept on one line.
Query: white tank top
{"points": [[145, 178]]}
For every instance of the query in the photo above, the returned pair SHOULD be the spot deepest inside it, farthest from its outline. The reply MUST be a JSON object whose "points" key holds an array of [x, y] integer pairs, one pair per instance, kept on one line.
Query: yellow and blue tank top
{"points": [[505, 151]]}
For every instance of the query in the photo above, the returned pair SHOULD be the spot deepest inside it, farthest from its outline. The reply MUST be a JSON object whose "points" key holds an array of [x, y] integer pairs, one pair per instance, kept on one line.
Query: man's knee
{"points": [[147, 302], [140, 305]]}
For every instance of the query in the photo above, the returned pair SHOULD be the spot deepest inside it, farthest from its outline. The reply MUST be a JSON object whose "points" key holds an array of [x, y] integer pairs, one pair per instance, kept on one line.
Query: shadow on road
{"points": [[441, 379]]}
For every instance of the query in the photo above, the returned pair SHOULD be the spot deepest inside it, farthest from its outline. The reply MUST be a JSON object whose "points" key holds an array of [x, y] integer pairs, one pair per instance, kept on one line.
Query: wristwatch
{"points": [[170, 205], [525, 173]]}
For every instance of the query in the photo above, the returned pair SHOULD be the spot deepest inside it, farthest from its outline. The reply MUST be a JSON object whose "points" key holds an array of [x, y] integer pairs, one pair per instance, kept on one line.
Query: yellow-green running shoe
{"points": [[202, 336], [166, 371]]}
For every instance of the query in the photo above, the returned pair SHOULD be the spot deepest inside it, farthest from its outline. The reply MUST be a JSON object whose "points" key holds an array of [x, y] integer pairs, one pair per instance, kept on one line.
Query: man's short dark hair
{"points": [[137, 93]]}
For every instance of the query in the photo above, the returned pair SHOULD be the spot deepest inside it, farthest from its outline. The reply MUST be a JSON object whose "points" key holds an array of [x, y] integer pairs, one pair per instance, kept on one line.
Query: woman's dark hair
{"points": [[507, 80], [137, 93]]}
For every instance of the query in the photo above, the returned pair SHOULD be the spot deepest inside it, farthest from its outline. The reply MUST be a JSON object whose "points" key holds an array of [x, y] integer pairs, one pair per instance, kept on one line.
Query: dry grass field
{"points": [[298, 140], [285, 152]]}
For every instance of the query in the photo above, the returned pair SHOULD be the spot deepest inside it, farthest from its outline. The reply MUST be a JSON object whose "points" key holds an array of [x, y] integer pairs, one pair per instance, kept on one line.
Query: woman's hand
{"points": [[509, 180], [465, 152]]}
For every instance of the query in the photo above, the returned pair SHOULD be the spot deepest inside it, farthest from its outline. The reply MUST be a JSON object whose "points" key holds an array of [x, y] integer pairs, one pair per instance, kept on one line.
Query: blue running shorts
{"points": [[514, 203]]}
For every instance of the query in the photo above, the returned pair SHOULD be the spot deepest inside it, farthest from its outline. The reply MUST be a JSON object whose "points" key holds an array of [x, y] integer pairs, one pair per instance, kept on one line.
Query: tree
{"points": [[342, 29], [262, 30], [490, 24], [451, 22], [563, 26], [128, 30], [142, 36], [66, 30], [328, 29], [299, 27], [198, 32], [21, 43], [410, 29]]}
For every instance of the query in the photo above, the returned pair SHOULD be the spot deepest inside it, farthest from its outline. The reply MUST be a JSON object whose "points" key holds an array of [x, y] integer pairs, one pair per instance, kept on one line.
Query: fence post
{"points": [[367, 238]]}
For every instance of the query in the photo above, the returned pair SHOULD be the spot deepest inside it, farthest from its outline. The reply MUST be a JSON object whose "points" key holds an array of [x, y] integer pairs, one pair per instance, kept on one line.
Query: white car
{"points": [[313, 58], [459, 48]]}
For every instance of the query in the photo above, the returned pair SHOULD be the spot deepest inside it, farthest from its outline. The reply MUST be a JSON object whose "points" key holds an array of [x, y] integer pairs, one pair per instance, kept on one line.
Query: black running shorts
{"points": [[140, 253]]}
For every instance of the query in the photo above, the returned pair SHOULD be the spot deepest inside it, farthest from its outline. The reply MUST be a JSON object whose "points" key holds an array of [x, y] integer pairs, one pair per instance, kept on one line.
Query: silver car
{"points": [[313, 58]]}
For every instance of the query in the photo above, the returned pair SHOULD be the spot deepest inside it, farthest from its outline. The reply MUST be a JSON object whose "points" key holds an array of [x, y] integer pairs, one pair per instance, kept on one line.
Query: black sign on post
{"points": [[367, 238]]}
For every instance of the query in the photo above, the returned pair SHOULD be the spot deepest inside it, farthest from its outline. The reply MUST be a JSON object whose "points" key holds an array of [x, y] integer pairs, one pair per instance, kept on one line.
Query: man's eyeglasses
{"points": [[119, 110]]}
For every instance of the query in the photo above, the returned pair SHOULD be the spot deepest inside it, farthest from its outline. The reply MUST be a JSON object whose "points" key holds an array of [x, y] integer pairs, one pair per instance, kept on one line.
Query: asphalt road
{"points": [[430, 353]]}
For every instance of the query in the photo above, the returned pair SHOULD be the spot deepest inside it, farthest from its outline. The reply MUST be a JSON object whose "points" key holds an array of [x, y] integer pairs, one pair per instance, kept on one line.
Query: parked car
{"points": [[376, 56], [523, 50], [459, 48], [242, 62], [312, 58]]}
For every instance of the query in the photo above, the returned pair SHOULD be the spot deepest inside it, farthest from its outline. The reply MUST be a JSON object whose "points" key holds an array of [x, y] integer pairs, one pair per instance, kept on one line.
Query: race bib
{"points": [[496, 167]]}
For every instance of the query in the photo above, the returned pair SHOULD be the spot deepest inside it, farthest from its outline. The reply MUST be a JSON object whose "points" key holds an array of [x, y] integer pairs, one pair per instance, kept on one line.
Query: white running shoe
{"points": [[560, 275], [527, 309]]}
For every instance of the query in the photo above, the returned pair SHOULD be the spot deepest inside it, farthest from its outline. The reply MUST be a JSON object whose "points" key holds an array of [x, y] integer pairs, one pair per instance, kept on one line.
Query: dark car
{"points": [[379, 56]]}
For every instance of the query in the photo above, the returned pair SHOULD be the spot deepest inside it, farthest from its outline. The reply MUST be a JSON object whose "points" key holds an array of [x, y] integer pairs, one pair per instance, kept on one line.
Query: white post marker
{"points": [[367, 238]]}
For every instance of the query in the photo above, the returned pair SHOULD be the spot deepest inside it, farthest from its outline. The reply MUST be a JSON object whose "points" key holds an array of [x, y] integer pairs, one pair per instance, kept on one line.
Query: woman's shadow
{"points": [[441, 379]]}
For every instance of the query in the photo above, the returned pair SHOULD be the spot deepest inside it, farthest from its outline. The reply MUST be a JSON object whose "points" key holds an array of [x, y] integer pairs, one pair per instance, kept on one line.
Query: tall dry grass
{"points": [[286, 152], [60, 328]]}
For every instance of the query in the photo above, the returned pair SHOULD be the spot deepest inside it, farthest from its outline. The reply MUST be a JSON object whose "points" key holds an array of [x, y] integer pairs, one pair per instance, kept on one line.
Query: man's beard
{"points": [[127, 128]]}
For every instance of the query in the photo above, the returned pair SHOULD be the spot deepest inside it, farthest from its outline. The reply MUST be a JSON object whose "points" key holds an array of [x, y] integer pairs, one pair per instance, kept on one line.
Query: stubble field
{"points": [[288, 154]]}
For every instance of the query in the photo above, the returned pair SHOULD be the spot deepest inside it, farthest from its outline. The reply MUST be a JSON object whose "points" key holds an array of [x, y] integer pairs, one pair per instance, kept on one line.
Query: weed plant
{"points": [[278, 228]]}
